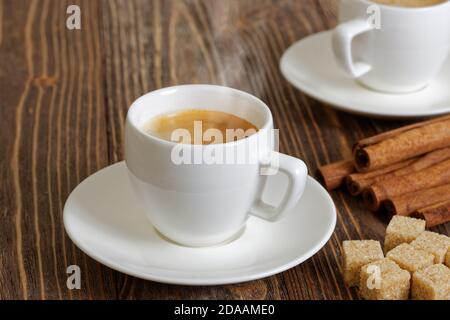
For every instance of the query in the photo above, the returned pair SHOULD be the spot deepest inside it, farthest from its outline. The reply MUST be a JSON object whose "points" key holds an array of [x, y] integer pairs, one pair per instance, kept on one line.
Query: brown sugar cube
{"points": [[434, 243], [409, 258], [357, 253], [447, 259], [431, 283], [402, 230], [384, 280]]}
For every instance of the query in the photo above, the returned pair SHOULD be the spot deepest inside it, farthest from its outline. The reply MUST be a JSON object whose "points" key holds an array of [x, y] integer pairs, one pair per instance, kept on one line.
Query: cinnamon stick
{"points": [[357, 182], [333, 175], [408, 203], [435, 215], [400, 144], [430, 177]]}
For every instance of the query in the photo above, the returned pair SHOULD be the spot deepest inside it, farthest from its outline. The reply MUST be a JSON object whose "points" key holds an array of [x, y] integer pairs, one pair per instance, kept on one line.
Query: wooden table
{"points": [[63, 100]]}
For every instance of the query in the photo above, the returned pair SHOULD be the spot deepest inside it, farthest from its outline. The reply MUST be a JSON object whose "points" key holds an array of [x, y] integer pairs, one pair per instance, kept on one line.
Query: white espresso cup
{"points": [[390, 48], [206, 203]]}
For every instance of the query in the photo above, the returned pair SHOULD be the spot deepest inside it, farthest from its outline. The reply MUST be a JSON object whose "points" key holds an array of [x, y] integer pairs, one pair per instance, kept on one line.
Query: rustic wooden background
{"points": [[64, 96]]}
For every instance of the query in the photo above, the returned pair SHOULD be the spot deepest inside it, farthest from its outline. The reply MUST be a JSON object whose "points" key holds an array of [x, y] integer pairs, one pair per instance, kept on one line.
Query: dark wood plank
{"points": [[53, 136], [64, 97]]}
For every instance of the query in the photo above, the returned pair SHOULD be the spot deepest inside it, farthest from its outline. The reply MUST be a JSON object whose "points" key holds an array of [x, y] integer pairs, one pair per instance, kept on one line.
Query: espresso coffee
{"points": [[200, 126], [410, 3]]}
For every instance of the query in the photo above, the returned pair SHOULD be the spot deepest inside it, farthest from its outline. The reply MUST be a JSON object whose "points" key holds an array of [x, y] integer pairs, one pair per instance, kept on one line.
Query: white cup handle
{"points": [[297, 173], [342, 38]]}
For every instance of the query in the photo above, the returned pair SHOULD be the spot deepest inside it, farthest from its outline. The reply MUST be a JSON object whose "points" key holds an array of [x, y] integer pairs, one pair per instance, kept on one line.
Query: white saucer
{"points": [[310, 66], [102, 219]]}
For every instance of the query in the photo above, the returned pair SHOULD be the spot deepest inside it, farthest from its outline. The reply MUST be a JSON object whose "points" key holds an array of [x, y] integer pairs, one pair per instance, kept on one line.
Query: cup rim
{"points": [[399, 8], [166, 90]]}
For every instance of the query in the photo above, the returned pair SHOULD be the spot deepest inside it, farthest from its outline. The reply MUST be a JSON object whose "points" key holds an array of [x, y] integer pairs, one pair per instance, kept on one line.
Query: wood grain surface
{"points": [[63, 100]]}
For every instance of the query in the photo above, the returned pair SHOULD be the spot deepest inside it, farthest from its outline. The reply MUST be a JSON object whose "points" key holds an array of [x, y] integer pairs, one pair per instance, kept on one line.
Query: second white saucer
{"points": [[102, 218], [310, 66]]}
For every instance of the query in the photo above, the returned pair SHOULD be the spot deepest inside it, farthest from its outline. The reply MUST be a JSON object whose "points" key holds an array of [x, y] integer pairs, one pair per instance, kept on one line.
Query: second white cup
{"points": [[402, 54]]}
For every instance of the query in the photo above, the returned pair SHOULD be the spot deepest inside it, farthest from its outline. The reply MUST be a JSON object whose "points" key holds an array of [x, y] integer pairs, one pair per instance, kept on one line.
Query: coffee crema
{"points": [[199, 126], [410, 3]]}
